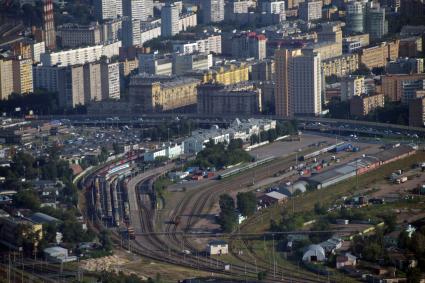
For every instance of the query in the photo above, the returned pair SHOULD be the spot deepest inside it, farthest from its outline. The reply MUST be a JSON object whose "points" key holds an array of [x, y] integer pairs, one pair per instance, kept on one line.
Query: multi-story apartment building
{"points": [[352, 86], [405, 66], [298, 82], [111, 30], [110, 77], [80, 55], [411, 46], [37, 48], [212, 11], [236, 99], [263, 70], [310, 10], [49, 33], [410, 88], [417, 112], [225, 74], [248, 45], [392, 85], [363, 104], [183, 63], [327, 49], [155, 64], [137, 9], [149, 31], [156, 94], [355, 16], [210, 44], [6, 78], [22, 75], [92, 82], [330, 32], [70, 85], [74, 35], [233, 8], [378, 56], [363, 38], [131, 34], [105, 9], [340, 66], [169, 20]]}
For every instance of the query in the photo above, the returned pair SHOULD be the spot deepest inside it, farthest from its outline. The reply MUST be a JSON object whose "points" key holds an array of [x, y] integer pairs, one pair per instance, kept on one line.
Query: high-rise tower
{"points": [[49, 33]]}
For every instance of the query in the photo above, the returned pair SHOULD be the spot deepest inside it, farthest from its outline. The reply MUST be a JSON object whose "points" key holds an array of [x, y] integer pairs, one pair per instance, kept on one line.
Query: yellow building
{"points": [[6, 78], [157, 93], [340, 66], [362, 105], [227, 74], [22, 75]]}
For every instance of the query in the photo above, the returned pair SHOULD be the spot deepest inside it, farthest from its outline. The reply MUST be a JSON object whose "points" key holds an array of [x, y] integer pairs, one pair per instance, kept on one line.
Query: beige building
{"points": [[22, 75], [417, 112], [378, 56], [340, 66], [92, 82], [237, 99], [162, 93], [362, 105], [331, 32], [218, 247], [6, 78], [327, 49], [392, 85]]}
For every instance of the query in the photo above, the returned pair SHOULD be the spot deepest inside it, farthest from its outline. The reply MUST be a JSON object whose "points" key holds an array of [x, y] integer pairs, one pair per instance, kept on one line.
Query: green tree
{"points": [[27, 199], [105, 240], [228, 217], [247, 203]]}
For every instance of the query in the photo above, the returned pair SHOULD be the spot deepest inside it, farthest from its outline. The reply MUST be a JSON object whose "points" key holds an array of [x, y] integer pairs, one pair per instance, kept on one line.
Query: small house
{"points": [[218, 247], [345, 260], [58, 254]]}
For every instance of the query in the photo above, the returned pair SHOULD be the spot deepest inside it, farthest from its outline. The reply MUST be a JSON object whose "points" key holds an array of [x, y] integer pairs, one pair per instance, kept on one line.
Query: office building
{"points": [[155, 64], [22, 75], [392, 85], [110, 77], [149, 93], [183, 63], [364, 104], [49, 34], [310, 10], [417, 112], [376, 24], [169, 20], [352, 86], [74, 35], [80, 55], [6, 78], [137, 9], [105, 9], [212, 11], [355, 17], [249, 45], [378, 56], [340, 66], [236, 99]]}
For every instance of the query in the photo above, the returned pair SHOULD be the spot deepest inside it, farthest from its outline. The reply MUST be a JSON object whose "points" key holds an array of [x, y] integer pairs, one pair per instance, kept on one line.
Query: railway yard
{"points": [[123, 199]]}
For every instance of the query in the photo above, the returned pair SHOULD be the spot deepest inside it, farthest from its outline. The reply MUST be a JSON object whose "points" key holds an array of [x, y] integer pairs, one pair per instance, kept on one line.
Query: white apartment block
{"points": [[155, 64], [36, 50], [137, 9], [187, 20], [169, 20], [105, 9], [111, 30], [130, 32], [212, 10], [150, 32], [310, 10], [305, 84], [80, 55], [183, 63], [211, 44], [273, 7]]}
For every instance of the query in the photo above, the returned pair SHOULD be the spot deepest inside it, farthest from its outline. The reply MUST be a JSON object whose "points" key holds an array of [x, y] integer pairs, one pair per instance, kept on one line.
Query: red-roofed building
{"points": [[248, 45]]}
